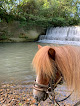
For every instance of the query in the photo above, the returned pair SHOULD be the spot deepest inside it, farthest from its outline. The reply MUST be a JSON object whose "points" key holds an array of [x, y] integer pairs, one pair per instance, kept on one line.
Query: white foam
{"points": [[62, 35]]}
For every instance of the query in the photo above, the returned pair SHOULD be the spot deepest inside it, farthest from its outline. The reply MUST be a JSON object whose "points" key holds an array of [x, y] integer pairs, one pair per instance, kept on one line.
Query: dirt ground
{"points": [[17, 95]]}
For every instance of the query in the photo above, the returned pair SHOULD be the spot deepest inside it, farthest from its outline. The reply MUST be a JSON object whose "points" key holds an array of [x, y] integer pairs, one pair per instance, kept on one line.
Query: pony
{"points": [[65, 58]]}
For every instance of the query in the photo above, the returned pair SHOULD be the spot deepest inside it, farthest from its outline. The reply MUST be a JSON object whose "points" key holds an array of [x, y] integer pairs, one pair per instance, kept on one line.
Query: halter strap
{"points": [[39, 89], [55, 85], [40, 85]]}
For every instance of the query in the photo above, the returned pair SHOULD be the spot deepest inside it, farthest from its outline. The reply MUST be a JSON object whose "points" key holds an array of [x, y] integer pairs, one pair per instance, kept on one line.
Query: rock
{"points": [[14, 33]]}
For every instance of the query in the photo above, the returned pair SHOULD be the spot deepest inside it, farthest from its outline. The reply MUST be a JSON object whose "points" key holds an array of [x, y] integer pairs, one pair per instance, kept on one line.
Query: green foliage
{"points": [[42, 13], [0, 20], [46, 13], [5, 16], [6, 7], [3, 35]]}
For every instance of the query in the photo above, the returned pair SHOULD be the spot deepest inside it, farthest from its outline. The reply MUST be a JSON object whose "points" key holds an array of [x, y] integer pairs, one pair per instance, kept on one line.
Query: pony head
{"points": [[45, 66], [52, 62]]}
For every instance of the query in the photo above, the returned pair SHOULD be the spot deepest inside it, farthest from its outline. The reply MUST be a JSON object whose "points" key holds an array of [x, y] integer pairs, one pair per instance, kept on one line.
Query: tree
{"points": [[43, 13]]}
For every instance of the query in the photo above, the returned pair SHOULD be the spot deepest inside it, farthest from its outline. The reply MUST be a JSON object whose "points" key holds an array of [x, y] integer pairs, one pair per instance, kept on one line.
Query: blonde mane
{"points": [[67, 58], [42, 63]]}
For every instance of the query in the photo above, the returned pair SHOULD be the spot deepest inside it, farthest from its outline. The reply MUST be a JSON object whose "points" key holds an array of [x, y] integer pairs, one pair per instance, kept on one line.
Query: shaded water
{"points": [[15, 61]]}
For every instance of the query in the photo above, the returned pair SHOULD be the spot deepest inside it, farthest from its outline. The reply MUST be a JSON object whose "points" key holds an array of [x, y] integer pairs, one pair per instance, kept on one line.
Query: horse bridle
{"points": [[45, 88], [40, 87], [49, 90]]}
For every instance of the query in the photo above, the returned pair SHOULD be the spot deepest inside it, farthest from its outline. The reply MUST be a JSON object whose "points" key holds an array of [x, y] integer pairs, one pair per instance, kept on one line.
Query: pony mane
{"points": [[67, 59]]}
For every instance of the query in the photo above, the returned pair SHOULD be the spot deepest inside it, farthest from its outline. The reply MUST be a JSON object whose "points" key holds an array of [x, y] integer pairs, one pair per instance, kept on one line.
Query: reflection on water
{"points": [[15, 61]]}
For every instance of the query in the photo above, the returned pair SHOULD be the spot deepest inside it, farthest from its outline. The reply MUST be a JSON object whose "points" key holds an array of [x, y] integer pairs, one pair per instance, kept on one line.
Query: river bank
{"points": [[14, 32], [20, 95], [16, 40], [16, 95]]}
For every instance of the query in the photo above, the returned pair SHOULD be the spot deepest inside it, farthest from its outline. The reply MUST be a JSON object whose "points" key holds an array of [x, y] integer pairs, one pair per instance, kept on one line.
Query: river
{"points": [[15, 62]]}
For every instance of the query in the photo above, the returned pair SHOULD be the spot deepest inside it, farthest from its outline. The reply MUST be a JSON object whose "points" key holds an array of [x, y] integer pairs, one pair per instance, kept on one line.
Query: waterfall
{"points": [[62, 35]]}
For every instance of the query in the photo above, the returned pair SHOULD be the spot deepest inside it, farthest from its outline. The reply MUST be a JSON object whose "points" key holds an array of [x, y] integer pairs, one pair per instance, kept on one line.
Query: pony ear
{"points": [[39, 46], [51, 53]]}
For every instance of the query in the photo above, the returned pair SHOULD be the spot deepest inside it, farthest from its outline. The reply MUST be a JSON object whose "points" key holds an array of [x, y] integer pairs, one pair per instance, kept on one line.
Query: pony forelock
{"points": [[42, 63]]}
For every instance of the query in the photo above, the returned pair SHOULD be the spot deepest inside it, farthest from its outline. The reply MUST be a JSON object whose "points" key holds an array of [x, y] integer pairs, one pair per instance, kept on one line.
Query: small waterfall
{"points": [[62, 35]]}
